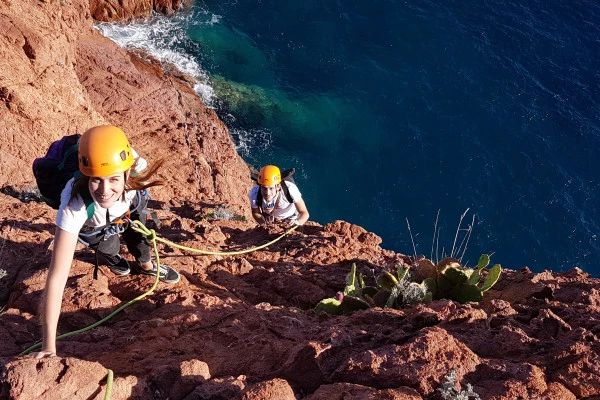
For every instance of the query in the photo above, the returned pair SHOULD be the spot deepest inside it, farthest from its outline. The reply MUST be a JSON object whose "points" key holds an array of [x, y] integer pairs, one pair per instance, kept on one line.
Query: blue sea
{"points": [[445, 127]]}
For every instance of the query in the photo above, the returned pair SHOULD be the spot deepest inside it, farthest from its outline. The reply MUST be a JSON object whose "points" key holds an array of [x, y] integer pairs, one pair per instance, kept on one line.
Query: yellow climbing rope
{"points": [[109, 381], [151, 235]]}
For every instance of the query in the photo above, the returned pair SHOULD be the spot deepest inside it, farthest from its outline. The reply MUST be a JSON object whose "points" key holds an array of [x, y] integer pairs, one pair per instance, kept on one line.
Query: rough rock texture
{"points": [[58, 75], [117, 10], [235, 327]]}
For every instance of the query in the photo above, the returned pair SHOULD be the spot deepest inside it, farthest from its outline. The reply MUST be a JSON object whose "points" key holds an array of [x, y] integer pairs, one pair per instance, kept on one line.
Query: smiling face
{"points": [[269, 192], [106, 190]]}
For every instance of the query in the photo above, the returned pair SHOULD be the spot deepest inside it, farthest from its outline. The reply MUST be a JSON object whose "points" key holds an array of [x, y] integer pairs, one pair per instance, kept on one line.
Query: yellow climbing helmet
{"points": [[103, 151], [269, 175]]}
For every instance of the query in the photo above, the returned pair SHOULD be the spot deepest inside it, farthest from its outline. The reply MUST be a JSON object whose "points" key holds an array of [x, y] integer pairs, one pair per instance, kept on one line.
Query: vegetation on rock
{"points": [[447, 279]]}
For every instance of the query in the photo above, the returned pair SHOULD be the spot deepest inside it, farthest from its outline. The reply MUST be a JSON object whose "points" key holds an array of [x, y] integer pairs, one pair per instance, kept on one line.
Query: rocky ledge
{"points": [[242, 326]]}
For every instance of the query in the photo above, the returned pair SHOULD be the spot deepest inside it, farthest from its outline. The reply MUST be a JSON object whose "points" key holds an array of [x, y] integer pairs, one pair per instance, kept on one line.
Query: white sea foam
{"points": [[251, 140], [166, 39]]}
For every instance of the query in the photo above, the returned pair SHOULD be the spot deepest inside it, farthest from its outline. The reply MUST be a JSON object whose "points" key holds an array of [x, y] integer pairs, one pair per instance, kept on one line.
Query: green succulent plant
{"points": [[451, 280], [446, 280]]}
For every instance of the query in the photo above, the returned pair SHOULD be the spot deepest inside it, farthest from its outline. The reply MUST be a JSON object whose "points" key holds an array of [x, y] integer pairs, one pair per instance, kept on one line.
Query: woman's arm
{"points": [[60, 265], [258, 217], [302, 211]]}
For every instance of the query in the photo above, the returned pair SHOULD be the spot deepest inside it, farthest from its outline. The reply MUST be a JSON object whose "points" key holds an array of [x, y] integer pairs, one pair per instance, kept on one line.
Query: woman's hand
{"points": [[293, 223], [43, 354], [302, 212]]}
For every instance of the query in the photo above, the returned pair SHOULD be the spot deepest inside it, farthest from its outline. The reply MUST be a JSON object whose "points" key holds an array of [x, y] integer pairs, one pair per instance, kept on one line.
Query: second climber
{"points": [[271, 202]]}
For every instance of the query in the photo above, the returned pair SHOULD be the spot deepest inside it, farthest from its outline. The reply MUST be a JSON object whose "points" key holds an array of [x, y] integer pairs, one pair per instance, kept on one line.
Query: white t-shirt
{"points": [[74, 217], [281, 207]]}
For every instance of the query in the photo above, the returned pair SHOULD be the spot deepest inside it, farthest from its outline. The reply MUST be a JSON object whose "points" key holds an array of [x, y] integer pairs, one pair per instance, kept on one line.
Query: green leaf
{"points": [[475, 276], [428, 297], [329, 306], [351, 277], [443, 286], [391, 301], [455, 275], [492, 277], [430, 286], [484, 261], [387, 281], [465, 293], [402, 272], [351, 304], [381, 297], [370, 300], [447, 263], [351, 288], [369, 291]]}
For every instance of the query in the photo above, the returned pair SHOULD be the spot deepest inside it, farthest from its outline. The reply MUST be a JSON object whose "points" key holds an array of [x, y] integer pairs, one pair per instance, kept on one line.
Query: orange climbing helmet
{"points": [[269, 175], [103, 151]]}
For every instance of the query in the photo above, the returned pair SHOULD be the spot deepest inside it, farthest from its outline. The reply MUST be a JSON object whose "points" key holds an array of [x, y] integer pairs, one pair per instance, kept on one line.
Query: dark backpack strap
{"points": [[89, 203], [259, 198], [96, 249], [286, 191], [288, 175], [96, 266]]}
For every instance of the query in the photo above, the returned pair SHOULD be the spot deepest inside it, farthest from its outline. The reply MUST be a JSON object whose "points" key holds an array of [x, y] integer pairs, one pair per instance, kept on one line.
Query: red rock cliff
{"points": [[235, 327]]}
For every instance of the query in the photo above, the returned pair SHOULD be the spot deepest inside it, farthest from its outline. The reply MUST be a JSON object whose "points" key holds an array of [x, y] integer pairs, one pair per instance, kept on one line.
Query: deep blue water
{"points": [[395, 110]]}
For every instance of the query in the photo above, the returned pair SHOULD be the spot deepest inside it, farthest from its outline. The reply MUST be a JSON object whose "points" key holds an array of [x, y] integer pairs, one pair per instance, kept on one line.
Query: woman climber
{"points": [[92, 210], [271, 201]]}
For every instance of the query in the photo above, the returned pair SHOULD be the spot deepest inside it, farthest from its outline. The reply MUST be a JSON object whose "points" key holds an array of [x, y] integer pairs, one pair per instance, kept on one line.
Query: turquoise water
{"points": [[395, 111]]}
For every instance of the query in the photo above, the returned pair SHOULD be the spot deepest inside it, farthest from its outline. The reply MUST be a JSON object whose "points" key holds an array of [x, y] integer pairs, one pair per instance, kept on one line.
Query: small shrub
{"points": [[224, 213], [24, 194], [449, 391], [221, 212]]}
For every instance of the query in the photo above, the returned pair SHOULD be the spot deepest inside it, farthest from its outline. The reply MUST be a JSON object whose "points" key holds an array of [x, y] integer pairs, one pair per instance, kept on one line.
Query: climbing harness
{"points": [[117, 226], [120, 224]]}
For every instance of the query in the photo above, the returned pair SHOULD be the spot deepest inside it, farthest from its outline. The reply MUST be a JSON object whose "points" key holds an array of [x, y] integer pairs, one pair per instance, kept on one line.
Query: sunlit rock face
{"points": [[236, 326]]}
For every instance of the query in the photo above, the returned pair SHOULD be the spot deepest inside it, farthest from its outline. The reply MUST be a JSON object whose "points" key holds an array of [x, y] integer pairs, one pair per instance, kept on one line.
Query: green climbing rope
{"points": [[151, 235], [109, 381]]}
